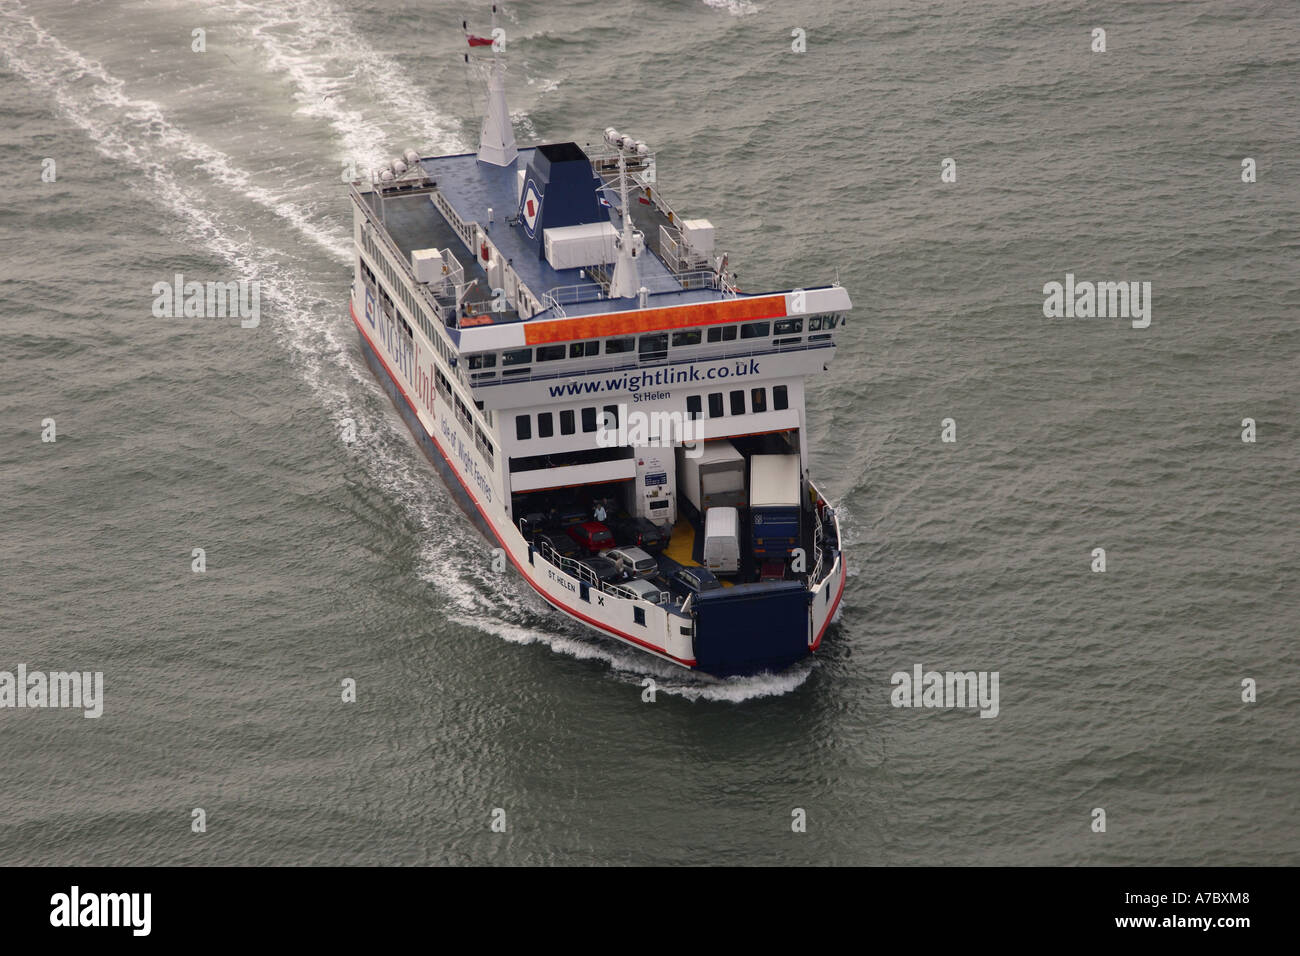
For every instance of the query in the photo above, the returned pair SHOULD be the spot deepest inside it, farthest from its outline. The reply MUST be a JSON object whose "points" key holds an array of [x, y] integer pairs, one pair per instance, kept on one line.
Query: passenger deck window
{"points": [[780, 397], [715, 404], [653, 346], [589, 419], [738, 402], [686, 337], [523, 427], [722, 333], [619, 345], [566, 422], [758, 400], [516, 357], [583, 349], [694, 407], [788, 326], [545, 425], [756, 330], [550, 353]]}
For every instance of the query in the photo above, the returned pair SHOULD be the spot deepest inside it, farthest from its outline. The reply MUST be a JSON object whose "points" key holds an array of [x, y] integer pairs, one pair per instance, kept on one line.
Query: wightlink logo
{"points": [[82, 690], [209, 300], [953, 689], [74, 908], [1098, 300], [631, 428], [635, 381]]}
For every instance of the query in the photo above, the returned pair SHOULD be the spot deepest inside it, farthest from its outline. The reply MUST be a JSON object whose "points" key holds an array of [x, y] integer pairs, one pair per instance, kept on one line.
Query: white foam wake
{"points": [[372, 103]]}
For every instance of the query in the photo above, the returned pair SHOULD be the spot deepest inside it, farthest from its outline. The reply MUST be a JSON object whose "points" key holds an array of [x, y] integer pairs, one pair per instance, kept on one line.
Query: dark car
{"points": [[592, 536], [641, 533], [604, 569], [687, 581], [557, 542], [569, 512], [532, 523]]}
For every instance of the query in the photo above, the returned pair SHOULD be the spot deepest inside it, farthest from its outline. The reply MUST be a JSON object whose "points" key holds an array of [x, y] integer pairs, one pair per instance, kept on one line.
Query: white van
{"points": [[722, 540]]}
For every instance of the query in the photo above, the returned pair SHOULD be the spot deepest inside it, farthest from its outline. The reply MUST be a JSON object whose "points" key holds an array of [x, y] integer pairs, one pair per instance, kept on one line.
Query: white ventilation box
{"points": [[698, 234], [572, 247], [426, 264]]}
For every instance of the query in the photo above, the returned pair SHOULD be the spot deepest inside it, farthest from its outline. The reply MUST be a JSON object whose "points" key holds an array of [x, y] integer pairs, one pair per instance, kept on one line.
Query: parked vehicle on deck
{"points": [[592, 536], [633, 562]]}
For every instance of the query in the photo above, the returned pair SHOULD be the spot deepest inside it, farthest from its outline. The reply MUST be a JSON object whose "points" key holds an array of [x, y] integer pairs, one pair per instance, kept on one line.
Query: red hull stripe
{"points": [[548, 598]]}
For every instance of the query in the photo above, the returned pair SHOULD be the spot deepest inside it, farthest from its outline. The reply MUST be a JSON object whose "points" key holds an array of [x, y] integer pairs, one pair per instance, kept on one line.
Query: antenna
{"points": [[626, 280]]}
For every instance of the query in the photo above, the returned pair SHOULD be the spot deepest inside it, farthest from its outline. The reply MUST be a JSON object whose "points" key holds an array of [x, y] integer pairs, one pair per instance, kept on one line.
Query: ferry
{"points": [[623, 422]]}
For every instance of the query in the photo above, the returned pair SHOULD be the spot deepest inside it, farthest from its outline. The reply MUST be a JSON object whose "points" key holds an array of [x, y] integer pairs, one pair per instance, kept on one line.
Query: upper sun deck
{"points": [[476, 211]]}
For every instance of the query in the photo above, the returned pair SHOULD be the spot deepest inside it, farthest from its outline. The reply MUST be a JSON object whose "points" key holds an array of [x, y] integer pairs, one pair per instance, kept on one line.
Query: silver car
{"points": [[645, 590], [633, 562]]}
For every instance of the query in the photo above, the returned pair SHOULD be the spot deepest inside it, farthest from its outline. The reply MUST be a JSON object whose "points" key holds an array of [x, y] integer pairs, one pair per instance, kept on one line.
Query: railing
{"points": [[578, 570], [377, 229], [658, 285]]}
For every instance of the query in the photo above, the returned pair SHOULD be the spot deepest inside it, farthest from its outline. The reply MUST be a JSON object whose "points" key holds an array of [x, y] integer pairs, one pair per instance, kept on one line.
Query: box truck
{"points": [[716, 478], [774, 501]]}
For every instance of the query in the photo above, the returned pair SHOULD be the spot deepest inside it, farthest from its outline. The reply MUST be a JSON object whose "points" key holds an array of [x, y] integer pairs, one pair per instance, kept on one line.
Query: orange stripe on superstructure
{"points": [[653, 320]]}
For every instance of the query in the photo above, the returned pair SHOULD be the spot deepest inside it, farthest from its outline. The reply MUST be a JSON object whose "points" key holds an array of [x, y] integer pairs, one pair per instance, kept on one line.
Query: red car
{"points": [[592, 536]]}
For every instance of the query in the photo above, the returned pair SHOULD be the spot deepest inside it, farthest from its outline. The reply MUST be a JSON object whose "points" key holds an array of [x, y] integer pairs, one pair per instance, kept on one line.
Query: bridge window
{"points": [[788, 326], [545, 425], [589, 419], [758, 399], [738, 402], [722, 333], [780, 398], [814, 323], [755, 330], [832, 320], [566, 422], [523, 427], [715, 404], [483, 361], [686, 337]]}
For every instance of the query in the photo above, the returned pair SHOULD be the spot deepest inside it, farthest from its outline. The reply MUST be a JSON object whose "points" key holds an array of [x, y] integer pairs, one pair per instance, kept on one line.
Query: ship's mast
{"points": [[496, 143], [626, 281]]}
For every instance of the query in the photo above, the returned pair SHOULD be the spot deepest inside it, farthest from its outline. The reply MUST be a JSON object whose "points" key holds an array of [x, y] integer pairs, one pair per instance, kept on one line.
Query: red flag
{"points": [[478, 41], [643, 200]]}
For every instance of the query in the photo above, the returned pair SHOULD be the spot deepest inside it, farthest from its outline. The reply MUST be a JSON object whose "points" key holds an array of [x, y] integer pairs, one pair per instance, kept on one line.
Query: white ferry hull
{"points": [[757, 631]]}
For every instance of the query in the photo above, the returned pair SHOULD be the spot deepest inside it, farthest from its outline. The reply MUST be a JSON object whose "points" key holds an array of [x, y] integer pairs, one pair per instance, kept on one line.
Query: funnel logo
{"points": [[529, 208]]}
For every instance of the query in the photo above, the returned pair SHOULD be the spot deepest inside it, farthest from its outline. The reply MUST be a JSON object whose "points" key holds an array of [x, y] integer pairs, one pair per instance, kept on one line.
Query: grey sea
{"points": [[1161, 691]]}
